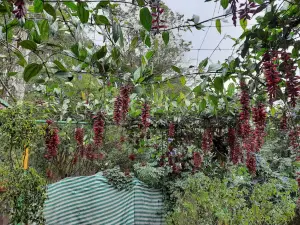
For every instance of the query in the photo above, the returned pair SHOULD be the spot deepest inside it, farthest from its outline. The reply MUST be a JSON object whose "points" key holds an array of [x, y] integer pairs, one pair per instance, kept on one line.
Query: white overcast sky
{"points": [[205, 10]]}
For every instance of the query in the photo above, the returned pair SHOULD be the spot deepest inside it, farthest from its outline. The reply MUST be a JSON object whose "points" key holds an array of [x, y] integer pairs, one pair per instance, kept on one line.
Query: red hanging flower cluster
{"points": [[292, 81], [244, 117], [118, 110], [20, 10], [271, 73], [249, 8], [132, 157], [121, 106], [157, 11], [79, 135], [197, 160], [125, 93], [293, 138], [171, 130], [207, 140], [250, 146], [283, 123], [259, 118], [52, 141], [145, 116], [98, 128], [235, 151], [234, 10]]}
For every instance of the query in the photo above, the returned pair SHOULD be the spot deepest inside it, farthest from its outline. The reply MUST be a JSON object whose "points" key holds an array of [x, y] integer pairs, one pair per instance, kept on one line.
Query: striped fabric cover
{"points": [[91, 200]]}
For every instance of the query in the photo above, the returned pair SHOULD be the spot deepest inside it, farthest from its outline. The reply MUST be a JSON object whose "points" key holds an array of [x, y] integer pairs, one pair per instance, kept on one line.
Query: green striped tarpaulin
{"points": [[91, 200]]}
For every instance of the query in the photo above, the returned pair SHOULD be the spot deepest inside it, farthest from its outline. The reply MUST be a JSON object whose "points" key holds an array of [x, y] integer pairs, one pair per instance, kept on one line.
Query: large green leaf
{"points": [[102, 4], [60, 66], [71, 5], [82, 13], [202, 65], [218, 84], [224, 3], [44, 29], [101, 20], [22, 61], [50, 10], [38, 6], [214, 100], [202, 105], [146, 18], [218, 25], [31, 71], [116, 31], [148, 41], [176, 69], [28, 45], [134, 42], [243, 23], [100, 53], [166, 37], [230, 89]]}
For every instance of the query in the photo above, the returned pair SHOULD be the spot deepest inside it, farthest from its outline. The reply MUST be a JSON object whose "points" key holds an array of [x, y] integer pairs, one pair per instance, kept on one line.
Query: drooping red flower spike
{"points": [[171, 130], [207, 140], [79, 135], [259, 118], [292, 81], [235, 152], [98, 128], [145, 116], [271, 74], [244, 117], [247, 8], [157, 11], [233, 5], [132, 157], [283, 123], [118, 110], [20, 10], [124, 94], [250, 145], [52, 141], [197, 160]]}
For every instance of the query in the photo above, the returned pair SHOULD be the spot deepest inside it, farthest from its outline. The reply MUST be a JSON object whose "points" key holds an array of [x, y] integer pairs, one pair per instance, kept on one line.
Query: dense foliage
{"points": [[122, 102]]}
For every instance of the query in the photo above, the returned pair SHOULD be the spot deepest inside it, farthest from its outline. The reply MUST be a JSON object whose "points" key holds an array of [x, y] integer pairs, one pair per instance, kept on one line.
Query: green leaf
{"points": [[141, 2], [50, 10], [102, 4], [243, 23], [29, 24], [197, 89], [70, 5], [137, 74], [28, 45], [224, 4], [101, 20], [11, 74], [259, 1], [22, 61], [230, 89], [176, 69], [214, 100], [9, 25], [115, 53], [166, 37], [60, 66], [203, 64], [116, 31], [100, 53], [183, 81], [149, 55], [31, 71], [44, 29], [82, 13], [202, 105], [38, 6], [273, 111], [218, 84], [148, 41], [146, 18], [134, 43], [218, 25]]}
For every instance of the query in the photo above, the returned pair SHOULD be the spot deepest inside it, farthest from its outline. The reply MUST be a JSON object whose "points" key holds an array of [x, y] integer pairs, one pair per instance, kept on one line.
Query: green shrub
{"points": [[235, 200]]}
